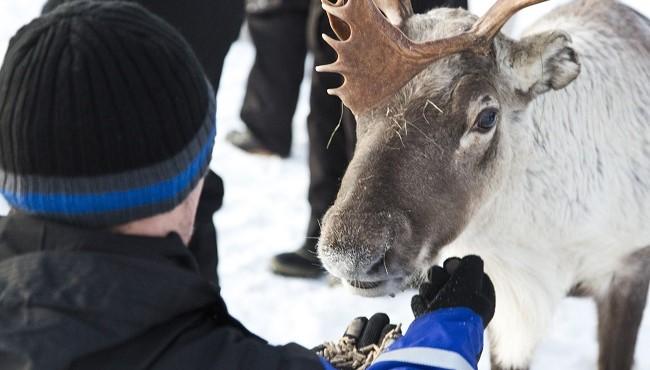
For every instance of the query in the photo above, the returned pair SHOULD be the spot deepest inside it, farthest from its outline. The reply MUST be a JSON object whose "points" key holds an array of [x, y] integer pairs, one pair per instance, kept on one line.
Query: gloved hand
{"points": [[362, 342], [368, 332], [459, 283]]}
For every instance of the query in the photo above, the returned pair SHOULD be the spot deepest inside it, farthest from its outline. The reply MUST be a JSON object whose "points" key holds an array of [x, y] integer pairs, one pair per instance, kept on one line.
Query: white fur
{"points": [[575, 199]]}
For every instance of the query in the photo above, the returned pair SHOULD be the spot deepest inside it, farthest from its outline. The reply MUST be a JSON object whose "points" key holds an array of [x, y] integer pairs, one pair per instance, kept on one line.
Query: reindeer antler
{"points": [[395, 10], [371, 47]]}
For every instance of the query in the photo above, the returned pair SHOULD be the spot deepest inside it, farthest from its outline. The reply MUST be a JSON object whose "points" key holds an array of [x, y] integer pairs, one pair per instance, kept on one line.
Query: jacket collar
{"points": [[21, 234]]}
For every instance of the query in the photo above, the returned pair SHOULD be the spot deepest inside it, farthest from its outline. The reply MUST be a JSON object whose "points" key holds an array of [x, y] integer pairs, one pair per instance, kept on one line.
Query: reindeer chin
{"points": [[375, 288]]}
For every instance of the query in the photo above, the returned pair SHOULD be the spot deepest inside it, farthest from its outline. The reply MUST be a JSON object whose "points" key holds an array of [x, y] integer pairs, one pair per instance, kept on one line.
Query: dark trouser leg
{"points": [[204, 240], [274, 80], [326, 163], [620, 312], [210, 27]]}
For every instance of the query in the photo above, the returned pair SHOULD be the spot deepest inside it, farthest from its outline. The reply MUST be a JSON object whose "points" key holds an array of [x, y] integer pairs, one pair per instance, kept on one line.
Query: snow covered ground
{"points": [[265, 212]]}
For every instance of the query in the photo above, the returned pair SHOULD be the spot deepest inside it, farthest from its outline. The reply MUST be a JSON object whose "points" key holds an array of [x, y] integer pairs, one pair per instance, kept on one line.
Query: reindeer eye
{"points": [[486, 120]]}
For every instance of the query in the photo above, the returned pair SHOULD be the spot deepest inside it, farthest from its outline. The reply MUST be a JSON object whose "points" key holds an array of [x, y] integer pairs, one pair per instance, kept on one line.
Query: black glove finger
{"points": [[385, 331], [419, 305], [356, 327], [436, 273], [373, 330], [427, 291], [451, 264], [472, 261], [468, 275], [437, 277]]}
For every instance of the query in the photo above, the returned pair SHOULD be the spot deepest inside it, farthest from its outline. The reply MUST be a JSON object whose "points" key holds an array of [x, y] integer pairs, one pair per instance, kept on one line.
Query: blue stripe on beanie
{"points": [[80, 204]]}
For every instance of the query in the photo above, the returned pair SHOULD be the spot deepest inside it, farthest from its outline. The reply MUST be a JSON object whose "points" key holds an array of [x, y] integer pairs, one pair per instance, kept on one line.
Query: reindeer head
{"points": [[437, 99]]}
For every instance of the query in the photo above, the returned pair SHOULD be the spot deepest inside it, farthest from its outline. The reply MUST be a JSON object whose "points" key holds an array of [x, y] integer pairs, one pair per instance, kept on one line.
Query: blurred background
{"points": [[265, 209]]}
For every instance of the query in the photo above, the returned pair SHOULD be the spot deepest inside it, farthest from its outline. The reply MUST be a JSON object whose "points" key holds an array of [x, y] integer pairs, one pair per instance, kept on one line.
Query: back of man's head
{"points": [[105, 116]]}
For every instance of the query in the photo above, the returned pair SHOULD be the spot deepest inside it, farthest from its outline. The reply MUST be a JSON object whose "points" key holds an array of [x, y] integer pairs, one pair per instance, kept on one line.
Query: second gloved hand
{"points": [[363, 340], [459, 283]]}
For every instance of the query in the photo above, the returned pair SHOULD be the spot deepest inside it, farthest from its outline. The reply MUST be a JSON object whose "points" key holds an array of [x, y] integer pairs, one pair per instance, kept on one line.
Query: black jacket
{"points": [[84, 299]]}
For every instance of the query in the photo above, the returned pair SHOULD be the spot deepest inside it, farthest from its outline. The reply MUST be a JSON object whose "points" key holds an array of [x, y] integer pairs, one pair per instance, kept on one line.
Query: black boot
{"points": [[304, 262], [246, 141]]}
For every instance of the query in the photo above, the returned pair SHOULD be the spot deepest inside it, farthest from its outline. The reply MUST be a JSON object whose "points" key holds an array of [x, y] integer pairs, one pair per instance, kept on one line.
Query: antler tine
{"points": [[372, 53], [489, 25], [339, 27], [479, 38]]}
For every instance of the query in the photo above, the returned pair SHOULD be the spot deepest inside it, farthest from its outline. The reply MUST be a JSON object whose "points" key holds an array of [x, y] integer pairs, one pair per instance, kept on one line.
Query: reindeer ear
{"points": [[544, 61]]}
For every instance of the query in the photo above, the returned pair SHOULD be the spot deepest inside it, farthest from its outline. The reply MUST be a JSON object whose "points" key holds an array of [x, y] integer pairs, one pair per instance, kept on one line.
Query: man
{"points": [[106, 132], [210, 27]]}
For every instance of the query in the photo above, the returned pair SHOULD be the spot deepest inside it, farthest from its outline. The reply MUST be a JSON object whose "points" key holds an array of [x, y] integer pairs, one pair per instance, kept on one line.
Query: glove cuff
{"points": [[449, 333]]}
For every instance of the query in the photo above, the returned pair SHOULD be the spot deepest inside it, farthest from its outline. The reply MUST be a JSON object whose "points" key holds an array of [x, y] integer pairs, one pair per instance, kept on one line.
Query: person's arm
{"points": [[449, 338], [231, 348]]}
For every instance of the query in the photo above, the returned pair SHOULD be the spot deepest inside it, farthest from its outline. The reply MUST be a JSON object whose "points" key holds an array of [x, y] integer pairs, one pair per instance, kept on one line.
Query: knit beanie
{"points": [[105, 116]]}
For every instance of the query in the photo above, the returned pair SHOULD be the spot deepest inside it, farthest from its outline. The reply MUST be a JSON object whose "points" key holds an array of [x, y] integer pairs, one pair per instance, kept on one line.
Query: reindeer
{"points": [[532, 153]]}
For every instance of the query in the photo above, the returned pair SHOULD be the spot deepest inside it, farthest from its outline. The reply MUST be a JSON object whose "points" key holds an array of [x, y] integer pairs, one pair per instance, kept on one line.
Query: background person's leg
{"points": [[328, 159], [210, 27], [274, 81]]}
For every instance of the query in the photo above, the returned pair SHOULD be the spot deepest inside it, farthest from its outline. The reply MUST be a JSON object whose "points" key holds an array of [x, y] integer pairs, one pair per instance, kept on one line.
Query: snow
{"points": [[265, 213]]}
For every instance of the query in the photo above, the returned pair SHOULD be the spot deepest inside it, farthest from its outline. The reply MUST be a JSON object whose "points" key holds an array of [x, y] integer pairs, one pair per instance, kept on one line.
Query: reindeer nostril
{"points": [[378, 267]]}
